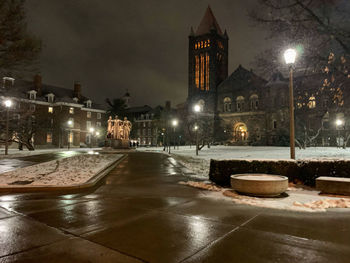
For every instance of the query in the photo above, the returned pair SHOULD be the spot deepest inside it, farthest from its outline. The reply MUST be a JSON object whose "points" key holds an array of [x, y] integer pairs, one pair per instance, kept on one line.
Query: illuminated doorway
{"points": [[240, 132]]}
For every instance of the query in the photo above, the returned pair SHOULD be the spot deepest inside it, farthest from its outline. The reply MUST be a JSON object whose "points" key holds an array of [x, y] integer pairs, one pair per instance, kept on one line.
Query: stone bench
{"points": [[333, 185]]}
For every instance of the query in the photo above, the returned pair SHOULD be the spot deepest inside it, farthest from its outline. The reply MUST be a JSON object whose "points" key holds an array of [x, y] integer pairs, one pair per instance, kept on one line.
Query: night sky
{"points": [[111, 45]]}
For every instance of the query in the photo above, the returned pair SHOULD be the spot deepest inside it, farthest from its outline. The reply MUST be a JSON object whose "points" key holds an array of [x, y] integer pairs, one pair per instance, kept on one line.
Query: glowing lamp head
{"points": [[70, 123], [97, 133], [290, 55], [195, 127], [174, 123], [197, 108], [339, 122], [8, 103], [92, 129]]}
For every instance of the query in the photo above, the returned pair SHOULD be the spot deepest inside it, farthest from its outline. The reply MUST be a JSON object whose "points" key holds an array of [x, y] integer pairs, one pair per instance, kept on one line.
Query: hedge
{"points": [[305, 171]]}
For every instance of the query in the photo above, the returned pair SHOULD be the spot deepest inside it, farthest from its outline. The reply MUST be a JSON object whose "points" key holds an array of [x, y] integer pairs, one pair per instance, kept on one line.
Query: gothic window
{"points": [[205, 44], [227, 104], [312, 102], [208, 42], [202, 72], [197, 72], [240, 103], [254, 102], [195, 46], [207, 71]]}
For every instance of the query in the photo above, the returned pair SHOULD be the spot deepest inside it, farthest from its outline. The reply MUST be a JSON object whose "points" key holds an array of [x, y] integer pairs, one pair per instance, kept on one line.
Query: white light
{"points": [[8, 103], [174, 122], [70, 122], [195, 127], [290, 55], [339, 122], [197, 108], [97, 133], [90, 152], [92, 129]]}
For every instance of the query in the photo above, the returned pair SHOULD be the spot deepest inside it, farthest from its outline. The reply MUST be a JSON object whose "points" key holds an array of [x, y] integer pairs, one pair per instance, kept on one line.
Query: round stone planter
{"points": [[264, 185]]}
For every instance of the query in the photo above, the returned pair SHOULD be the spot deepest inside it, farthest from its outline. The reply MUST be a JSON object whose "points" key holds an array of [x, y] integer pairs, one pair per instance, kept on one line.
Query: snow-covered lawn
{"points": [[63, 172], [200, 164], [14, 153]]}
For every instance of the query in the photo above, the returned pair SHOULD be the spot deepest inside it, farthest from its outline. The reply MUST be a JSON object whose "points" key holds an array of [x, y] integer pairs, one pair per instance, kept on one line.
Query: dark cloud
{"points": [[113, 45]]}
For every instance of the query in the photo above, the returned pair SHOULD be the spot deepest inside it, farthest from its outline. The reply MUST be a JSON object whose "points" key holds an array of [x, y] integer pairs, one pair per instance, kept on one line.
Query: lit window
{"points": [[88, 125], [88, 114], [195, 46], [312, 102], [49, 137], [197, 72], [70, 137], [207, 72], [202, 72], [71, 110], [98, 115], [50, 109]]}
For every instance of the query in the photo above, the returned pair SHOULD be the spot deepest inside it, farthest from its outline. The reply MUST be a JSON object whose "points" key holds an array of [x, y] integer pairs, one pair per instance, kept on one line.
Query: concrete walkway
{"points": [[141, 214]]}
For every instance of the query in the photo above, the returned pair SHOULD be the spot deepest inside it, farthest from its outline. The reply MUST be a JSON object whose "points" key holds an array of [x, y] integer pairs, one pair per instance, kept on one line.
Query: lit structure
{"points": [[8, 104], [70, 124], [289, 56], [338, 123], [197, 109], [174, 124]]}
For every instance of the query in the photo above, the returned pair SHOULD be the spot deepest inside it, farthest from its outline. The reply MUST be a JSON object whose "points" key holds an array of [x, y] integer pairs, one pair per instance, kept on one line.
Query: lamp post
{"points": [[338, 123], [91, 134], [289, 56], [197, 110], [8, 104], [174, 124], [70, 123]]}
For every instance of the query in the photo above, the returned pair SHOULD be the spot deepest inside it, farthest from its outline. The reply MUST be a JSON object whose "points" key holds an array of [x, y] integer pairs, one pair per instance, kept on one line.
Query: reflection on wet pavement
{"points": [[140, 214]]}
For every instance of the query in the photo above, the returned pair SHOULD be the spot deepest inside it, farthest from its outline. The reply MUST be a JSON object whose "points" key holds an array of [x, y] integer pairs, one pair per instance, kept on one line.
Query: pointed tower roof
{"points": [[208, 23]]}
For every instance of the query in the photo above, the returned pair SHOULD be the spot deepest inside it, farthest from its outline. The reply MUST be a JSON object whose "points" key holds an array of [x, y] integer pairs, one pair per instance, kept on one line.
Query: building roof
{"points": [[208, 23], [20, 90]]}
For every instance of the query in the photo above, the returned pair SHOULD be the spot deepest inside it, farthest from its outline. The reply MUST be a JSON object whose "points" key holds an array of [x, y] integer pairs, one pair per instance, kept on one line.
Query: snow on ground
{"points": [[296, 199], [63, 172], [200, 164], [14, 153]]}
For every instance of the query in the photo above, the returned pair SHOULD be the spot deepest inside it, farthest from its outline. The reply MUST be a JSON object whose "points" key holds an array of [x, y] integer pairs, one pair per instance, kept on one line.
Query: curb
{"points": [[88, 184]]}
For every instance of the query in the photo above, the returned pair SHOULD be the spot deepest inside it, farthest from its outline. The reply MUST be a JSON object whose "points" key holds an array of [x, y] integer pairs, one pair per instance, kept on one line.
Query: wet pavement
{"points": [[9, 164], [140, 214]]}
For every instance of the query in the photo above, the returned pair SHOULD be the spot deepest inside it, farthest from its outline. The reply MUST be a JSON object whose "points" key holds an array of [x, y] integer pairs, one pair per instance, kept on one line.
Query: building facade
{"points": [[250, 110], [57, 117]]}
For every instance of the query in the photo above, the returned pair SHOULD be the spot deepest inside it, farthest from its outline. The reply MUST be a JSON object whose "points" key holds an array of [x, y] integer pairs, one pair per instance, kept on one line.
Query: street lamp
{"points": [[196, 130], [8, 104], [91, 135], [70, 123], [338, 122], [289, 56], [174, 124], [197, 109]]}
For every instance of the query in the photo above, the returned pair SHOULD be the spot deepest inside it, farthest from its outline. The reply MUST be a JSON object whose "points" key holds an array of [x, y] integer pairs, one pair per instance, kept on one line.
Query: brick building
{"points": [[61, 116]]}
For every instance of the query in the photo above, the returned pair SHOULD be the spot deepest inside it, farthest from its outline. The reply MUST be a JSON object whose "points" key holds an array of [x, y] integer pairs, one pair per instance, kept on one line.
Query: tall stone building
{"points": [[247, 109]]}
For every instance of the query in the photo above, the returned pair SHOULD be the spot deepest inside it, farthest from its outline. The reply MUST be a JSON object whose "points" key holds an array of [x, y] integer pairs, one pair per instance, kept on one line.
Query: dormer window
{"points": [[88, 103], [32, 95], [50, 98], [75, 99]]}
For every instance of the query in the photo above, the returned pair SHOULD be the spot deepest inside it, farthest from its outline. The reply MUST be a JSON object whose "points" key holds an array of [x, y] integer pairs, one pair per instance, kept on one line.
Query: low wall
{"points": [[305, 171]]}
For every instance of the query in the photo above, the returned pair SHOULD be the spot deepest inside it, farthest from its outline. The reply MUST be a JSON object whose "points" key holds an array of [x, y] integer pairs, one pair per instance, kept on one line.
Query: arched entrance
{"points": [[240, 132]]}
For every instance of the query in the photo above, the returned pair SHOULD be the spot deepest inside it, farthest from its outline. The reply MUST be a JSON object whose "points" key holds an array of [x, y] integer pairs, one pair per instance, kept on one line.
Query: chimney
{"points": [[77, 90], [168, 105], [38, 84]]}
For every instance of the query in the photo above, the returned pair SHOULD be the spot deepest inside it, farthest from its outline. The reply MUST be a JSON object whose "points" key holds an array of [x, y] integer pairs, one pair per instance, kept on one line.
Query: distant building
{"points": [[247, 109], [61, 115]]}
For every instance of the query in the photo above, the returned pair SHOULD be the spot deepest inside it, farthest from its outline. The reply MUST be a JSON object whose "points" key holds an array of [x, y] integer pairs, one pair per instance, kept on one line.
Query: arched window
{"points": [[227, 104], [312, 102], [254, 102], [240, 103]]}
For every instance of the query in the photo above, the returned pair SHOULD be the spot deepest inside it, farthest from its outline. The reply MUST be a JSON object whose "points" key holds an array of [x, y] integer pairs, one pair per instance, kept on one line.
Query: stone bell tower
{"points": [[207, 62]]}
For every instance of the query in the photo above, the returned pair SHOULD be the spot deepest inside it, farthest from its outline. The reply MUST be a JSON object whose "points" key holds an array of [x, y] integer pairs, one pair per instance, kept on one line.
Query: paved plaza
{"points": [[141, 214]]}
